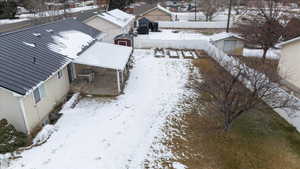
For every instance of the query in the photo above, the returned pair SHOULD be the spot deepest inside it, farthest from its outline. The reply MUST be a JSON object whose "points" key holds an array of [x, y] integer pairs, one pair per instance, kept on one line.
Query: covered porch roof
{"points": [[105, 55]]}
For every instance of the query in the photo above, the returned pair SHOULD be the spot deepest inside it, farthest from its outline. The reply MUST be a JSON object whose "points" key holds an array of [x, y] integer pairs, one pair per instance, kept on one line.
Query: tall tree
{"points": [[8, 9], [224, 95], [263, 24], [118, 4], [210, 8]]}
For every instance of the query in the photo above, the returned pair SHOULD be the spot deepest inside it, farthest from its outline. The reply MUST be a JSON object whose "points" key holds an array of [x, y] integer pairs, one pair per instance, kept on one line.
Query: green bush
{"points": [[8, 9], [10, 138]]}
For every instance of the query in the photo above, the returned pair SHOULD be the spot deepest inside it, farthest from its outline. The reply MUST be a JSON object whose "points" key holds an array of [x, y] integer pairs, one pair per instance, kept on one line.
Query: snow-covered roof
{"points": [[117, 17], [105, 55], [223, 35], [70, 43]]}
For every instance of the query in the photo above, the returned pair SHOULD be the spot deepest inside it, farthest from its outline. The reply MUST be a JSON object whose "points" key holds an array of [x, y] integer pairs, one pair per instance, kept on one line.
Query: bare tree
{"points": [[225, 94], [263, 24], [210, 8]]}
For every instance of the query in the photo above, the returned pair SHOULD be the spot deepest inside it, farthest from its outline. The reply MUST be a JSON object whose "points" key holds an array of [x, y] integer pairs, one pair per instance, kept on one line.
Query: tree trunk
{"points": [[265, 54], [227, 122], [206, 18]]}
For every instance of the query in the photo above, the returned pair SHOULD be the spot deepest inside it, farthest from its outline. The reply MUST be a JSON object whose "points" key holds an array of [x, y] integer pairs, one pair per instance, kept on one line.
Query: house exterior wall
{"points": [[110, 29], [237, 49], [157, 15], [55, 92], [289, 68], [10, 109]]}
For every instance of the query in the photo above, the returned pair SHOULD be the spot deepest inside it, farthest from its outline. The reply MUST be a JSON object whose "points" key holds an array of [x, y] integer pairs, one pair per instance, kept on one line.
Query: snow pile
{"points": [[44, 134], [71, 102], [115, 133], [4, 160], [177, 165], [70, 43], [271, 54]]}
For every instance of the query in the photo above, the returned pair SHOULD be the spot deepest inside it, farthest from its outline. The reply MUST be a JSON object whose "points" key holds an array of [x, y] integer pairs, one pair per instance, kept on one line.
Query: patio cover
{"points": [[105, 55]]}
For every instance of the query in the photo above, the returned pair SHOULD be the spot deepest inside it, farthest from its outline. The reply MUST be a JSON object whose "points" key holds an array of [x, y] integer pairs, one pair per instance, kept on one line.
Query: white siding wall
{"points": [[10, 109], [110, 29], [289, 64], [221, 44], [55, 91]]}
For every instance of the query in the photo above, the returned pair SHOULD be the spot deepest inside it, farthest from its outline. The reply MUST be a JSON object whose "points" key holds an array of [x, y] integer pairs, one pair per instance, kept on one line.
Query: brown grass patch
{"points": [[257, 140]]}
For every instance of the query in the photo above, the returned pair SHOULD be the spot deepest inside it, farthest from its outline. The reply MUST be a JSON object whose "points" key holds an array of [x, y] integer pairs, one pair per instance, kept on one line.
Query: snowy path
{"points": [[114, 133]]}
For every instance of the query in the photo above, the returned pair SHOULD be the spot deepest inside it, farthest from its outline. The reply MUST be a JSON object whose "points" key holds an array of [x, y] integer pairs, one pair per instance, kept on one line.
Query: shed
{"points": [[228, 42], [102, 69], [124, 40]]}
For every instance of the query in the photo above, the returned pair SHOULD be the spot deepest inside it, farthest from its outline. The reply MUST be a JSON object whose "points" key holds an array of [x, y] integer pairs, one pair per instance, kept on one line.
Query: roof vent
{"points": [[49, 30], [37, 34], [34, 60]]}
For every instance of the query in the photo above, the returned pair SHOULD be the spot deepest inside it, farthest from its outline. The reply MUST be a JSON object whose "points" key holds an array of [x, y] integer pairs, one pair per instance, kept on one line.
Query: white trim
{"points": [[24, 115], [122, 41], [289, 41], [118, 79], [73, 73]]}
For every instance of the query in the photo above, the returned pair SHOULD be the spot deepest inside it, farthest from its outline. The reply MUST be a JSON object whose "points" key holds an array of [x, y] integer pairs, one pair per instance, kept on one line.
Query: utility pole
{"points": [[195, 11], [229, 15]]}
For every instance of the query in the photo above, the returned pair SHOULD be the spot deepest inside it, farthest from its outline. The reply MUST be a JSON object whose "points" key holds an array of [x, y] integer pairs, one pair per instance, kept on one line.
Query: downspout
{"points": [[118, 79], [20, 99]]}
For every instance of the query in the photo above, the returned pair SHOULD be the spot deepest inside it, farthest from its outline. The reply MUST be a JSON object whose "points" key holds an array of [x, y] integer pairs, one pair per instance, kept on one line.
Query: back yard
{"points": [[157, 123], [258, 140]]}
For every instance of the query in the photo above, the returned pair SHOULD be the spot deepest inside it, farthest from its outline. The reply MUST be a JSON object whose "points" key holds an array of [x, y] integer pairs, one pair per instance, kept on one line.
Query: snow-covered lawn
{"points": [[103, 133], [9, 21]]}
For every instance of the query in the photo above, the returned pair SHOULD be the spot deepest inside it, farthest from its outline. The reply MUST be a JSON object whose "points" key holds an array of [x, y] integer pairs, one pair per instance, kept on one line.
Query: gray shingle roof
{"points": [[22, 67]]}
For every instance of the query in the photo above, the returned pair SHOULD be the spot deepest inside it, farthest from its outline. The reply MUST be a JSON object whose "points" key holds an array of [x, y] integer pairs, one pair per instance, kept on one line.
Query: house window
{"points": [[123, 43], [39, 93], [60, 74]]}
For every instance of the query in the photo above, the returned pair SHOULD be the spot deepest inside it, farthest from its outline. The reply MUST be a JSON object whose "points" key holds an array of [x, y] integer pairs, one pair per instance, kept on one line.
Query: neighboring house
{"points": [[113, 23], [102, 69], [289, 68], [228, 42], [34, 70], [157, 14]]}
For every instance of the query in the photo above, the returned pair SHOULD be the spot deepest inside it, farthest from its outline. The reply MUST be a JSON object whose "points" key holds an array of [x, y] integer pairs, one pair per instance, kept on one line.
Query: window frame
{"points": [[60, 74]]}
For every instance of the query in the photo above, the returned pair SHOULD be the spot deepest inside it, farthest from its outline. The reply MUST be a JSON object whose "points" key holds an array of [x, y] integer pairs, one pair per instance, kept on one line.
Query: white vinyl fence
{"points": [[192, 25]]}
